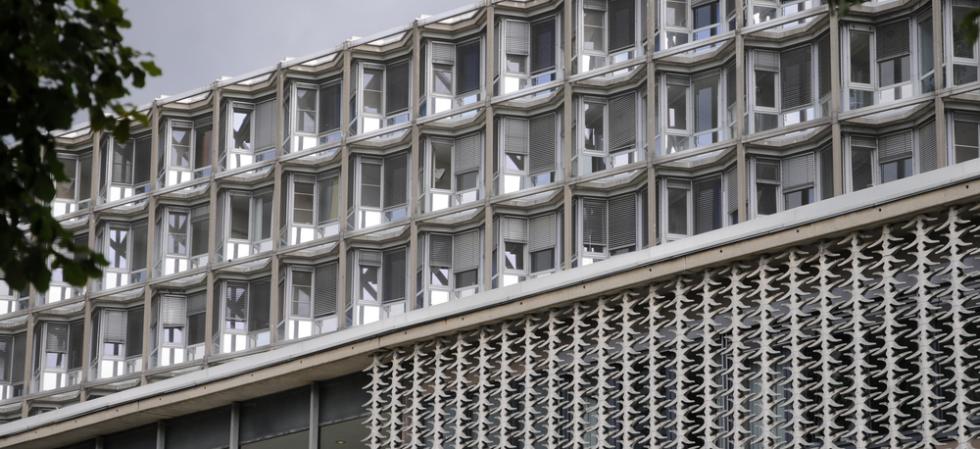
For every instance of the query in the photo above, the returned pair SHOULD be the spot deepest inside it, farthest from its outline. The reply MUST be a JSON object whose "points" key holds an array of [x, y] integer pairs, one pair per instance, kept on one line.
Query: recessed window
{"points": [[609, 33], [609, 134], [455, 74], [453, 169], [312, 114], [380, 190], [608, 227], [379, 285], [452, 265]]}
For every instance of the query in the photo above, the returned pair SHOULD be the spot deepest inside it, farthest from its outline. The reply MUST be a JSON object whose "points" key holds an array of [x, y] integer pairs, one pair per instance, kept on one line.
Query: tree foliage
{"points": [[60, 57]]}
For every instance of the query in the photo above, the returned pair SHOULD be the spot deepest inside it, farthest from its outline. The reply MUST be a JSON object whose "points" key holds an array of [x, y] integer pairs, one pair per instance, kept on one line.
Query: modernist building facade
{"points": [[403, 242]]}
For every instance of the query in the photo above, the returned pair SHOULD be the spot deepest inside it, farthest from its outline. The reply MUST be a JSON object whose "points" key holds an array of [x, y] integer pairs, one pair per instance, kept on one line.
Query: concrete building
{"points": [[536, 224]]}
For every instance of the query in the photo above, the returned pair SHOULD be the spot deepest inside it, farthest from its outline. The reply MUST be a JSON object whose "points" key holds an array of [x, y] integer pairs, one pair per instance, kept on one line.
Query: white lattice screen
{"points": [[871, 340]]}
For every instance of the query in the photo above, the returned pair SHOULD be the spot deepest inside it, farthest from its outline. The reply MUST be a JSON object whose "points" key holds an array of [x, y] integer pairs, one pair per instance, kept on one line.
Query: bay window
{"points": [[378, 285], [244, 228], [311, 206], [125, 167], [878, 62], [610, 132], [380, 98], [242, 314], [789, 86], [453, 174], [249, 134], [57, 355], [874, 160], [177, 328], [185, 152], [528, 53], [610, 33], [685, 21], [765, 10], [312, 115], [690, 109], [528, 151], [182, 239], [789, 182], [76, 193], [454, 75], [608, 227], [117, 342], [451, 267], [124, 246], [378, 189], [311, 301], [526, 248], [693, 206], [12, 357], [966, 143]]}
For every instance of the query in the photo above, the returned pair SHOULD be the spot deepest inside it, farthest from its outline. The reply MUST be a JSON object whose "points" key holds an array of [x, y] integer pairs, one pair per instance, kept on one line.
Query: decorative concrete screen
{"points": [[865, 340]]}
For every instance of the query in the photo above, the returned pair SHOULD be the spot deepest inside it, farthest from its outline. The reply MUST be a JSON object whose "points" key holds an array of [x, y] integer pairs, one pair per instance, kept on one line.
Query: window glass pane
{"points": [[594, 37], [66, 190], [177, 233], [370, 185], [861, 163], [202, 146], [962, 45], [303, 203], [706, 103], [122, 162], [442, 165], [765, 89], [543, 45], [466, 278], [676, 106], [396, 84], [327, 201], [372, 90], [85, 177], [860, 56], [677, 210], [925, 45], [622, 24], [242, 128], [369, 283], [180, 147], [265, 220], [897, 169], [514, 256], [306, 110], [199, 231], [330, 107], [468, 67], [798, 198], [766, 198], [466, 181], [676, 13], [118, 247], [302, 288], [705, 15], [239, 217], [442, 79], [593, 126], [543, 260]]}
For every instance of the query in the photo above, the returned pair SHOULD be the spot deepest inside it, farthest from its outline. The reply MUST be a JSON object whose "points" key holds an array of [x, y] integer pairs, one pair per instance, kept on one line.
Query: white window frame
{"points": [[687, 184], [619, 158], [689, 32], [435, 295], [907, 89], [876, 169], [235, 248], [299, 233], [689, 133], [590, 60], [440, 199], [813, 110], [367, 311], [301, 141], [529, 78], [65, 206], [365, 216], [437, 103], [590, 257], [122, 190]]}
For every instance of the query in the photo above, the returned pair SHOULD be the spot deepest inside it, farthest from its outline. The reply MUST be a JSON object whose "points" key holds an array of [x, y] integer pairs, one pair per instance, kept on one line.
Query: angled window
{"points": [[872, 160], [610, 33], [125, 167], [249, 133], [57, 355], [525, 248], [685, 21], [379, 187], [243, 315], [185, 150], [452, 265], [177, 329], [117, 342], [12, 357], [245, 225], [312, 115], [379, 98], [528, 53], [378, 283], [788, 86], [691, 110], [59, 289], [966, 143], [607, 227], [311, 304], [182, 239], [124, 246], [610, 132], [454, 75], [527, 152], [793, 181], [694, 206], [311, 205], [882, 63], [75, 194], [453, 171]]}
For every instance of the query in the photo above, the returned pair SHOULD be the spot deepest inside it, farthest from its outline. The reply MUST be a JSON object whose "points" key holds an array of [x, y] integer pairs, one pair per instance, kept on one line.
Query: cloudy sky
{"points": [[196, 41]]}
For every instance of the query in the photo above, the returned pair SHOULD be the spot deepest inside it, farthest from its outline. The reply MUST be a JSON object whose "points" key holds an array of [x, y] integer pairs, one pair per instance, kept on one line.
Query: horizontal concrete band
{"points": [[349, 350]]}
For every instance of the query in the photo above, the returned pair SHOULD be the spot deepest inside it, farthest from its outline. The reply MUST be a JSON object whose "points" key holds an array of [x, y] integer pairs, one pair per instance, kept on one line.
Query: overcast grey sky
{"points": [[196, 41]]}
